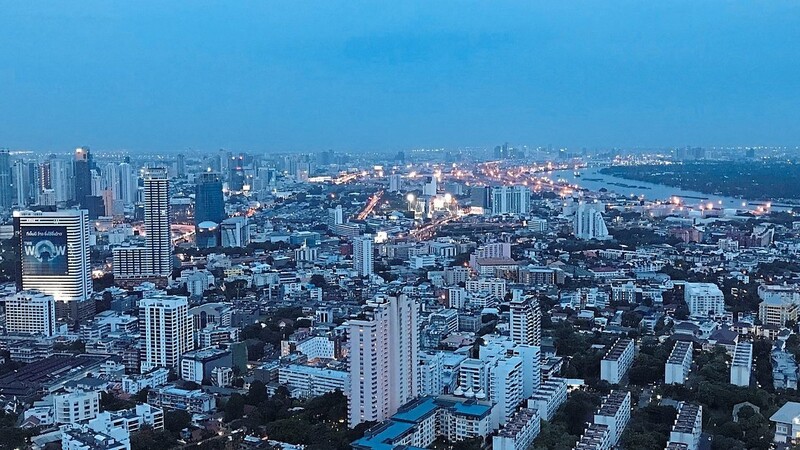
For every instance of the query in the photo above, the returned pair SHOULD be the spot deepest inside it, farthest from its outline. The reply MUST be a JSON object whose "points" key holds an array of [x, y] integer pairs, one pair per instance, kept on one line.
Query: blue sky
{"points": [[367, 75]]}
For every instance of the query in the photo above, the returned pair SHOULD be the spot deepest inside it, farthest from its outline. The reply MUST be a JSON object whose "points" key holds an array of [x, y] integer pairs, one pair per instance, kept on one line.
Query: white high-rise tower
{"points": [[362, 255], [384, 348], [166, 329]]}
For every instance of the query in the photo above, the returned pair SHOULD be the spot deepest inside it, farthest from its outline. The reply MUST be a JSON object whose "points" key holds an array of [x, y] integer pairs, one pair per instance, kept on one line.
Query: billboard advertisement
{"points": [[44, 250]]}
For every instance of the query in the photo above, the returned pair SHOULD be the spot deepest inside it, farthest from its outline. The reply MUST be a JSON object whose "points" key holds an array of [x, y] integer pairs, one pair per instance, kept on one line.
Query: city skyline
{"points": [[268, 77]]}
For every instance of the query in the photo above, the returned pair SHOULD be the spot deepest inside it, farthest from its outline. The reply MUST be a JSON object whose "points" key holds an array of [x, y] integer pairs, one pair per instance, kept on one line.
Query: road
{"points": [[371, 204]]}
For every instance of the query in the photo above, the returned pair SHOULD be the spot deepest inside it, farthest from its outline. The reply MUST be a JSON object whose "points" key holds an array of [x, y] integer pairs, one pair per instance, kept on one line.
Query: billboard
{"points": [[44, 250]]}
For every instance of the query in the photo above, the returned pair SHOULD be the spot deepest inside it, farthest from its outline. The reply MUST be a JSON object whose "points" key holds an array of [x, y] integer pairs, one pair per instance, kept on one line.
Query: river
{"points": [[592, 179]]}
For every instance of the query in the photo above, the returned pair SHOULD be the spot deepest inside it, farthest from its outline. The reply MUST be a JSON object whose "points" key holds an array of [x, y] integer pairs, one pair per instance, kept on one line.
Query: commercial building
{"points": [[617, 361], [54, 258], [197, 365], [31, 312], [511, 200], [383, 357], [235, 232], [742, 364], [209, 202], [166, 329], [676, 371]]}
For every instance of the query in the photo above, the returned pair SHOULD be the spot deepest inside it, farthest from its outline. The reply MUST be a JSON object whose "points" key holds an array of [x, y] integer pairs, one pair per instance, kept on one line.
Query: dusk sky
{"points": [[364, 75]]}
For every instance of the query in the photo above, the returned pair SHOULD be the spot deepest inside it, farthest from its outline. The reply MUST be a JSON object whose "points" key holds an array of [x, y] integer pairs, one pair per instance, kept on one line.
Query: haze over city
{"points": [[365, 76]]}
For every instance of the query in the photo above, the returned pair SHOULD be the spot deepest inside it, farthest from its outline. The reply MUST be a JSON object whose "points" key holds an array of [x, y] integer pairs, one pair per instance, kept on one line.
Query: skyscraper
{"points": [[6, 183], [362, 255], [209, 203], [180, 165], [83, 175], [21, 183], [54, 257], [166, 327], [525, 320], [384, 348], [158, 241]]}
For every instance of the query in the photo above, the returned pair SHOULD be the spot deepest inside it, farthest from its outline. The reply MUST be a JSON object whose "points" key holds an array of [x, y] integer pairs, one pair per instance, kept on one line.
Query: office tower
{"points": [[384, 347], [209, 203], [83, 175], [111, 181], [158, 241], [395, 182], [6, 182], [54, 258], [45, 176], [525, 320], [588, 223], [31, 312], [511, 200], [362, 255], [166, 327], [335, 216], [128, 185], [20, 183], [180, 165]]}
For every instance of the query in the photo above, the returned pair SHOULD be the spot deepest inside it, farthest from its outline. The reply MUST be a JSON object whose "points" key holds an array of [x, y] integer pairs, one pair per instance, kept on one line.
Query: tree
{"points": [[234, 408], [318, 281], [176, 420], [257, 393]]}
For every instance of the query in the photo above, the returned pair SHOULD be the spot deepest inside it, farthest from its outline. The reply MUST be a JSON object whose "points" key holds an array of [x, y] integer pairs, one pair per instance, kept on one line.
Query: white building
{"points": [[588, 223], [362, 255], [688, 426], [742, 364], [130, 419], [617, 361], [676, 371], [511, 200], [77, 406], [704, 299], [31, 312], [158, 240], [166, 329], [525, 320], [615, 413], [595, 437], [549, 397], [235, 232], [787, 423], [83, 437], [132, 384], [519, 432], [384, 346], [308, 381]]}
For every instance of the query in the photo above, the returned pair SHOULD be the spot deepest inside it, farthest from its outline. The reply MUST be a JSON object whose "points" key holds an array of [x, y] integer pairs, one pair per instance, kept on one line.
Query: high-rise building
{"points": [[335, 216], [588, 223], [83, 175], [127, 184], [166, 328], [6, 182], [384, 347], [31, 312], [362, 255], [60, 179], [525, 320], [21, 183], [158, 241], [180, 165], [209, 203], [54, 257], [430, 186], [395, 182], [511, 200]]}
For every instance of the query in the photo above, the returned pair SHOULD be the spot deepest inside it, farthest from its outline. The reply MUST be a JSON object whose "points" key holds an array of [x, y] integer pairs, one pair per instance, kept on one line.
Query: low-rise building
{"points": [[195, 402], [308, 381], [549, 397], [676, 371], [519, 432], [615, 412], [787, 423], [617, 361], [742, 364], [688, 426]]}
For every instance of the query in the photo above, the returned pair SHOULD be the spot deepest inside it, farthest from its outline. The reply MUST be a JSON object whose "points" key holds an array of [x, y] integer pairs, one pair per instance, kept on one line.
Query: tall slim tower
{"points": [[20, 180], [158, 242], [525, 320], [6, 183], [167, 330], [362, 255], [384, 347], [83, 175], [54, 258]]}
